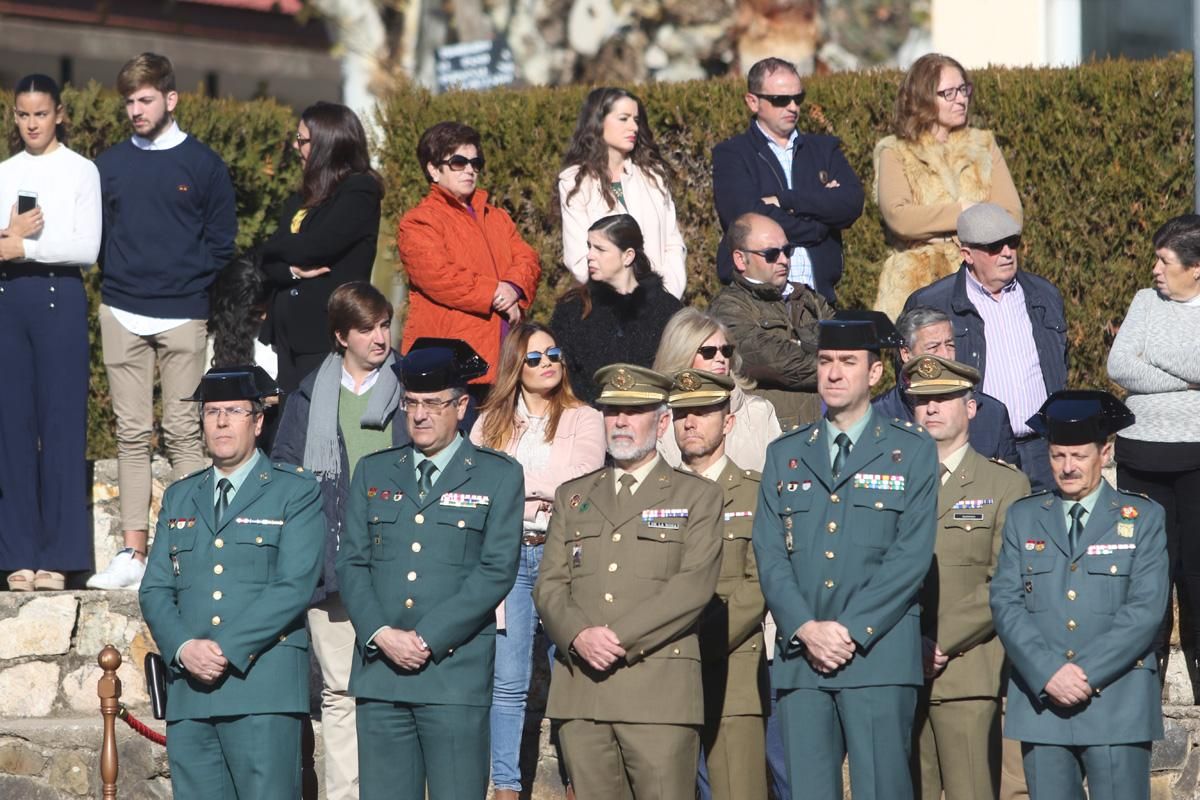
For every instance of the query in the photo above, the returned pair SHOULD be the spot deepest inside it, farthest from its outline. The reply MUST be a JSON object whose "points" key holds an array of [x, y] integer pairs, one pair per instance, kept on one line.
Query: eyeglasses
{"points": [[214, 414], [709, 351], [771, 254], [458, 163], [781, 100], [301, 140], [995, 248], [432, 406], [533, 358], [965, 89]]}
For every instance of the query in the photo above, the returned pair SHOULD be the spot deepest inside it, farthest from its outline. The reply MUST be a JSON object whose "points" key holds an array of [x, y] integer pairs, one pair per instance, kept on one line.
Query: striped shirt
{"points": [[800, 269], [1012, 371]]}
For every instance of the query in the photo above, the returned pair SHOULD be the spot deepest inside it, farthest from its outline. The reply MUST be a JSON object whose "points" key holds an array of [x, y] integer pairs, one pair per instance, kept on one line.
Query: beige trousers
{"points": [[130, 360], [332, 636], [958, 750]]}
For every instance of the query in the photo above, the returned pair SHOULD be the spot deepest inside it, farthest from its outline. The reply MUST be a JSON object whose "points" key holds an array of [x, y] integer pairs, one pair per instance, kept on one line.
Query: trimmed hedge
{"points": [[1101, 155], [253, 138]]}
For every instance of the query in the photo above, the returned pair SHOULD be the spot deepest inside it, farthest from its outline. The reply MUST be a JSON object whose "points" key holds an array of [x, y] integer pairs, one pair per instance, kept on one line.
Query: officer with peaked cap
{"points": [[843, 537], [957, 735], [731, 636], [632, 558], [432, 536], [236, 557], [1078, 595]]}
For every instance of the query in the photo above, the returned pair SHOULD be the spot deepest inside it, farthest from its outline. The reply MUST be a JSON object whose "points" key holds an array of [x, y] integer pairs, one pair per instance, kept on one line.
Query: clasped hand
{"points": [[827, 644], [203, 659], [599, 647], [402, 648], [1069, 686]]}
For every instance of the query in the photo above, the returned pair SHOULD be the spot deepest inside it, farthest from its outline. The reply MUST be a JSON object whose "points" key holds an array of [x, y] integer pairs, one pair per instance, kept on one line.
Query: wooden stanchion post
{"points": [[109, 691]]}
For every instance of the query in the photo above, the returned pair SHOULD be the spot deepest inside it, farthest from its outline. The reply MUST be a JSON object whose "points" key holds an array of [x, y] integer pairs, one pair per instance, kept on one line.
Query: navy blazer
{"points": [[744, 171], [990, 433]]}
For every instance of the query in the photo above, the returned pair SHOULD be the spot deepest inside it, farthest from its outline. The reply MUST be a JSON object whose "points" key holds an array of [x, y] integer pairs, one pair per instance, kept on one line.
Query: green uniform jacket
{"points": [[244, 585], [731, 636], [437, 566], [954, 600], [853, 550], [1099, 609], [644, 574]]}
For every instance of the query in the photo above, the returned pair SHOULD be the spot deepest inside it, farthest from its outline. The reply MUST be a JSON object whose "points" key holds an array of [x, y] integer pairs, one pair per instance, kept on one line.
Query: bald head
{"points": [[754, 237]]}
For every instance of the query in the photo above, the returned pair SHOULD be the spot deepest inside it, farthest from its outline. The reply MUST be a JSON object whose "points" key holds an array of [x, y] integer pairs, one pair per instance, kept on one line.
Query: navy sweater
{"points": [[170, 219]]}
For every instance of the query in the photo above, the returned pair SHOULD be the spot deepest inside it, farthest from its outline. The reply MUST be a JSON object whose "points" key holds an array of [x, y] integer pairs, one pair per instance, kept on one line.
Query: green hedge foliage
{"points": [[1101, 156], [253, 138]]}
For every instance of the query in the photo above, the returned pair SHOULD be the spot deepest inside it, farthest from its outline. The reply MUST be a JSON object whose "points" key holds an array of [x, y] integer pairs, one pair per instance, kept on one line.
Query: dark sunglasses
{"points": [[709, 351], [993, 249], [771, 254], [534, 358], [781, 100], [459, 163]]}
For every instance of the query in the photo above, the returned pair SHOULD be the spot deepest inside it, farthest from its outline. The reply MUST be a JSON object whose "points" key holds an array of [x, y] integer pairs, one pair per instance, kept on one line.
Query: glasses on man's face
{"points": [[995, 248], [302, 140], [235, 414], [964, 89], [429, 404], [781, 100], [771, 254], [533, 358], [709, 351], [459, 163]]}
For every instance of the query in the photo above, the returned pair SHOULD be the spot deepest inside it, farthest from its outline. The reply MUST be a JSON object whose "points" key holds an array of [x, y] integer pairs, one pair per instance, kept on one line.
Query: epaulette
{"points": [[906, 426], [200, 471], [292, 469], [1004, 463], [1134, 494], [797, 431], [497, 453]]}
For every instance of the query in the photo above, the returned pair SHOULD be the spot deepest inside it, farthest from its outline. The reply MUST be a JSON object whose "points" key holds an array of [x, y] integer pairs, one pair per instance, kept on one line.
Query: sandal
{"points": [[21, 580], [45, 580]]}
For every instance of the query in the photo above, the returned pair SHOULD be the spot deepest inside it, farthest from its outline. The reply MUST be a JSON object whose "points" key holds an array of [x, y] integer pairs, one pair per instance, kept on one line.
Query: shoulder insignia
{"points": [[1133, 494], [200, 471], [1004, 463], [289, 469]]}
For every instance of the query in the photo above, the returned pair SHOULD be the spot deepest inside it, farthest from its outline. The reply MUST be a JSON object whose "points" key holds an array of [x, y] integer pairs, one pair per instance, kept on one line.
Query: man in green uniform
{"points": [[236, 557], [433, 531], [843, 537], [957, 734], [731, 637], [1079, 592], [632, 558]]}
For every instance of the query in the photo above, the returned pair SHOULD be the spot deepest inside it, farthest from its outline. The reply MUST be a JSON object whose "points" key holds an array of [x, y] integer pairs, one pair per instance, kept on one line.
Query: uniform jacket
{"points": [[990, 432], [1046, 314], [288, 447], [1100, 610], [918, 187], [731, 636], [954, 600], [745, 170], [648, 202], [454, 260], [860, 547], [244, 585], [342, 233], [437, 566], [767, 330], [647, 574]]}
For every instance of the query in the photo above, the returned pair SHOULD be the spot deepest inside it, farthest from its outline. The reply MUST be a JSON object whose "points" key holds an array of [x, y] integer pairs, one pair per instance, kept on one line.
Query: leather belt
{"points": [[533, 539]]}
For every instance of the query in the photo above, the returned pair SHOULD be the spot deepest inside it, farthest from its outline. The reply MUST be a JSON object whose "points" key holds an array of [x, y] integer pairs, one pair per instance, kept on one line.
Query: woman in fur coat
{"points": [[929, 171]]}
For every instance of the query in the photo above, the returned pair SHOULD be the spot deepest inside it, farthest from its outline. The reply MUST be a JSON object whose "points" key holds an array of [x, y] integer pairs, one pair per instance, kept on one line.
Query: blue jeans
{"points": [[514, 665]]}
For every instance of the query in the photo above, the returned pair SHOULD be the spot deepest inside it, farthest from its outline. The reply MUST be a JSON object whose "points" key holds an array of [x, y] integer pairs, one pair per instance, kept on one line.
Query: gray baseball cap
{"points": [[986, 223]]}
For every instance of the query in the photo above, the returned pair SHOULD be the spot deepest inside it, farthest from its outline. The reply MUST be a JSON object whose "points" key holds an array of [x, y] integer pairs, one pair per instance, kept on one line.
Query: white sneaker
{"points": [[123, 572]]}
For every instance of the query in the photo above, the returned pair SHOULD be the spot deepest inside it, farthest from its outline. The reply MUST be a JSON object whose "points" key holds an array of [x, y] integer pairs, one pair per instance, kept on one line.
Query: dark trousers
{"points": [[1179, 495], [44, 520], [1113, 771], [1035, 462]]}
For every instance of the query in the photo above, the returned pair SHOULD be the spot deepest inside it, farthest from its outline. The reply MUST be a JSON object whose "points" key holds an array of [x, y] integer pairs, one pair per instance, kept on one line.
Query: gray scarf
{"points": [[322, 453]]}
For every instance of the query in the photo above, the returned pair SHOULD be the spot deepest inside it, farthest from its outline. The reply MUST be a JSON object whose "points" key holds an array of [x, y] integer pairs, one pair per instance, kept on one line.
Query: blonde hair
{"points": [[687, 330]]}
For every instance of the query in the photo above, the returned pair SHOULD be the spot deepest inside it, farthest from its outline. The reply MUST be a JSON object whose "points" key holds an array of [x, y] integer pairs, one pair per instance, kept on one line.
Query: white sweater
{"points": [[1154, 358], [68, 191]]}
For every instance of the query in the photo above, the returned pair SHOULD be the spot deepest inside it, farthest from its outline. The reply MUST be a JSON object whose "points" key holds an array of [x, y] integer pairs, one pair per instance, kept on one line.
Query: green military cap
{"points": [[692, 388], [937, 375], [630, 385]]}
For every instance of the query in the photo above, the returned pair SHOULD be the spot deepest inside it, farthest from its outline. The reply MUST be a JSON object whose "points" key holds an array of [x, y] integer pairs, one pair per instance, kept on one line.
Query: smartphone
{"points": [[26, 201]]}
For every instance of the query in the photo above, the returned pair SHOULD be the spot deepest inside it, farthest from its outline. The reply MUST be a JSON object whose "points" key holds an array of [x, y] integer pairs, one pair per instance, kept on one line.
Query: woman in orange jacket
{"points": [[470, 273]]}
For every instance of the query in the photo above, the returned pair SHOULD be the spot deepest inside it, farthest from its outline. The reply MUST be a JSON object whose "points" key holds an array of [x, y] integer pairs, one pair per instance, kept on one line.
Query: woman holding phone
{"points": [[49, 234]]}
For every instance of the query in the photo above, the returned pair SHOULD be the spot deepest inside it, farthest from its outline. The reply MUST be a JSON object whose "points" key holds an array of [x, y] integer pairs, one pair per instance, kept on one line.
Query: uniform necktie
{"points": [[843, 449], [626, 491], [425, 482], [945, 473], [1076, 530], [223, 487]]}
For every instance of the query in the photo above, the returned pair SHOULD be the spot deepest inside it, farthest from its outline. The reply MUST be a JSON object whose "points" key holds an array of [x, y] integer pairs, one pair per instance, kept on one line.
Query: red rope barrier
{"points": [[141, 727]]}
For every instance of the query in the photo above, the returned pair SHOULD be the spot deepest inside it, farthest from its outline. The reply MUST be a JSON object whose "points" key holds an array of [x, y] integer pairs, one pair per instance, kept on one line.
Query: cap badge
{"points": [[688, 382], [622, 380], [928, 368]]}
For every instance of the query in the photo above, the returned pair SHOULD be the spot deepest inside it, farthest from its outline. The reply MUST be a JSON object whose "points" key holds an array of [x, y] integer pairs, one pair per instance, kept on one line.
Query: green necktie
{"points": [[425, 482], [223, 488], [1077, 511], [843, 449]]}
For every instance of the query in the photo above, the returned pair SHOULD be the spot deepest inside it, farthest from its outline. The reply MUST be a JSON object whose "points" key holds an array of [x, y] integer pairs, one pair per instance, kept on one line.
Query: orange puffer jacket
{"points": [[454, 260]]}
